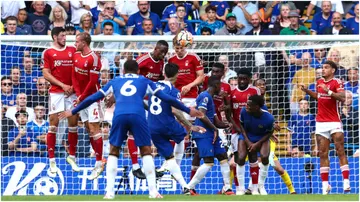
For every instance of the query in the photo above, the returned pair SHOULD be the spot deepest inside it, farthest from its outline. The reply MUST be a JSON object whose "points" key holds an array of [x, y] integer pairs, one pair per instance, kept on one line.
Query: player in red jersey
{"points": [[238, 100], [57, 67], [329, 93], [191, 75], [85, 79]]}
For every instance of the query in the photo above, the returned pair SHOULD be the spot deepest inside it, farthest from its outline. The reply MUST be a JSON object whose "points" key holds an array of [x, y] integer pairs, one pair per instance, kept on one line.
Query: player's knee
{"points": [[114, 151], [169, 157], [222, 157], [265, 161], [73, 129], [53, 129], [145, 150], [209, 161]]}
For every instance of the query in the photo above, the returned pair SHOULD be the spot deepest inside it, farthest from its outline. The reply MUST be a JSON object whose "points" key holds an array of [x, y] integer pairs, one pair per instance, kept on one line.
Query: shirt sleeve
{"points": [[290, 126], [11, 135], [203, 103], [158, 23], [107, 89], [242, 115], [165, 13], [270, 126], [314, 24], [339, 87], [198, 63], [45, 60], [131, 21]]}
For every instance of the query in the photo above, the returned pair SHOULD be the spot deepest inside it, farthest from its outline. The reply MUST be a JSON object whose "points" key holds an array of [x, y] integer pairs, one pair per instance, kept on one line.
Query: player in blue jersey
{"points": [[208, 144], [129, 115], [257, 126], [164, 127]]}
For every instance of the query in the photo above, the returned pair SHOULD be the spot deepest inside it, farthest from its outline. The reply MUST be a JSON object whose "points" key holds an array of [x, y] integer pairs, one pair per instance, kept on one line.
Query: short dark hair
{"points": [[260, 79], [11, 18], [131, 66], [108, 23], [213, 81], [244, 71], [147, 19], [205, 29], [257, 100], [23, 112], [210, 8], [5, 78], [171, 69], [332, 64], [104, 123], [219, 65], [163, 43], [180, 5], [56, 31]]}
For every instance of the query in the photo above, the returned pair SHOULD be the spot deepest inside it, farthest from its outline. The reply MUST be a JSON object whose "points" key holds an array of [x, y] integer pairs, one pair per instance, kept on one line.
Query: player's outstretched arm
{"points": [[307, 91], [181, 118]]}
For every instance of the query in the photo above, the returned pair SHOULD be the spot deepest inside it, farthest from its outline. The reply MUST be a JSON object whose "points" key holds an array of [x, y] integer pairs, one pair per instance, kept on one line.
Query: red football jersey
{"points": [[328, 107], [150, 68], [218, 100], [188, 65], [86, 74], [60, 63], [239, 99]]}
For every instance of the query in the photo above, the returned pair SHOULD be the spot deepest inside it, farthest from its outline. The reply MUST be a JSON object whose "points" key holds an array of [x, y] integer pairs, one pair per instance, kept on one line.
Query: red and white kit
{"points": [[85, 77], [60, 63], [328, 117], [150, 68]]}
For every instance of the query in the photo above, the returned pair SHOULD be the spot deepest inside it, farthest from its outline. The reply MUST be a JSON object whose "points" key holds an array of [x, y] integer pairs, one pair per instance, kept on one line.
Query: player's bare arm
{"points": [[220, 124], [208, 124], [181, 118], [199, 79], [307, 91], [338, 96], [230, 119], [49, 77]]}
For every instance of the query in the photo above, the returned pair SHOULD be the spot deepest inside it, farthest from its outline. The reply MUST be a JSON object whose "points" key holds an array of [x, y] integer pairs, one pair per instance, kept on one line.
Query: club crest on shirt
{"points": [[86, 63], [206, 100], [70, 54], [187, 63]]}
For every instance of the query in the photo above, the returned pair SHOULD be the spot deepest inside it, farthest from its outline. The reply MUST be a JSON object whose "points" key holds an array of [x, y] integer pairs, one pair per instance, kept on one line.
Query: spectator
{"points": [[283, 21], [101, 7], [64, 4], [40, 95], [11, 8], [39, 126], [135, 21], [319, 58], [11, 24], [337, 27], [104, 76], [243, 12], [276, 10], [353, 22], [30, 75], [70, 29], [300, 129], [322, 20], [306, 76], [30, 8], [38, 20], [222, 9], [21, 139], [233, 82], [86, 24], [22, 27], [170, 10], [130, 7], [173, 27], [6, 126], [211, 21], [21, 101], [105, 131], [229, 73], [147, 26], [57, 18], [7, 96], [350, 119], [206, 31], [2, 31], [230, 27], [295, 28], [257, 28], [18, 87], [335, 56], [351, 12], [108, 15], [353, 86], [183, 23], [110, 55], [296, 152], [79, 8], [336, 5]]}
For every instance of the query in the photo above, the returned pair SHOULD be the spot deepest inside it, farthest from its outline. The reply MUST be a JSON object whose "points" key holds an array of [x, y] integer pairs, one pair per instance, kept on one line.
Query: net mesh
{"points": [[280, 64]]}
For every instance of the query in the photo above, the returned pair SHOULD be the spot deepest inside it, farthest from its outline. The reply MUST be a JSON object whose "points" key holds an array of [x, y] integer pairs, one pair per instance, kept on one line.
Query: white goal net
{"points": [[283, 62]]}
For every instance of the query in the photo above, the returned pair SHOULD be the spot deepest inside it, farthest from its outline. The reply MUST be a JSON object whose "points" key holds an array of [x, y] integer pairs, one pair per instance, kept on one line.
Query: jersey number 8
{"points": [[155, 107]]}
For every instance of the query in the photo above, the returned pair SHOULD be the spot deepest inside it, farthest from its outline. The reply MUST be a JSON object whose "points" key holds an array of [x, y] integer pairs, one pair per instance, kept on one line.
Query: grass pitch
{"points": [[299, 197]]}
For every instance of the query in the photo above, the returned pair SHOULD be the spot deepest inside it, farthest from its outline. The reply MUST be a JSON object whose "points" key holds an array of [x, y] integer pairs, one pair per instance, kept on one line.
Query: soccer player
{"points": [[208, 144], [85, 79], [238, 100], [57, 67], [191, 74], [257, 126], [328, 124], [151, 67], [129, 91], [164, 127]]}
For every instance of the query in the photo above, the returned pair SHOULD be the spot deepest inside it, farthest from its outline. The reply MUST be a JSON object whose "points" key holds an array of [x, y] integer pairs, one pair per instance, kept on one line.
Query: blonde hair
{"points": [[63, 13], [83, 18]]}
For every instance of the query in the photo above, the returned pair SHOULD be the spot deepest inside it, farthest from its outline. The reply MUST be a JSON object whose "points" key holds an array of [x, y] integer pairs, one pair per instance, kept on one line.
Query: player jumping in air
{"points": [[57, 64], [129, 91], [85, 80], [208, 144], [164, 127], [257, 126], [329, 93]]}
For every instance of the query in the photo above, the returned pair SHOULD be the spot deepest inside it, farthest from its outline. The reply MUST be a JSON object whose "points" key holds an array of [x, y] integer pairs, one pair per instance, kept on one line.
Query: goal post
{"points": [[276, 59]]}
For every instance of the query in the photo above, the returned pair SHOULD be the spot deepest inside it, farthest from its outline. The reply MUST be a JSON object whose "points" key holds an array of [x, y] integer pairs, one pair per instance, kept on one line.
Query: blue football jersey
{"points": [[205, 101], [129, 91], [160, 112], [257, 127]]}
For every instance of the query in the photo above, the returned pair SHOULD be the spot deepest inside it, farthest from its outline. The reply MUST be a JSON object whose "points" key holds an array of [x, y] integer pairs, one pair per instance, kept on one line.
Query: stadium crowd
{"points": [[23, 86]]}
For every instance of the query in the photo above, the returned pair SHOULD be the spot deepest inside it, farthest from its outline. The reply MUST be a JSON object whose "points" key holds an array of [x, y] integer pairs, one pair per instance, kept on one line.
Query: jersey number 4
{"points": [[128, 89]]}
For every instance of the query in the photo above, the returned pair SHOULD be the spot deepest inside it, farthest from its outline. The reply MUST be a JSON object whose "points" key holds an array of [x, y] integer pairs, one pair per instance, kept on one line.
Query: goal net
{"points": [[283, 62]]}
